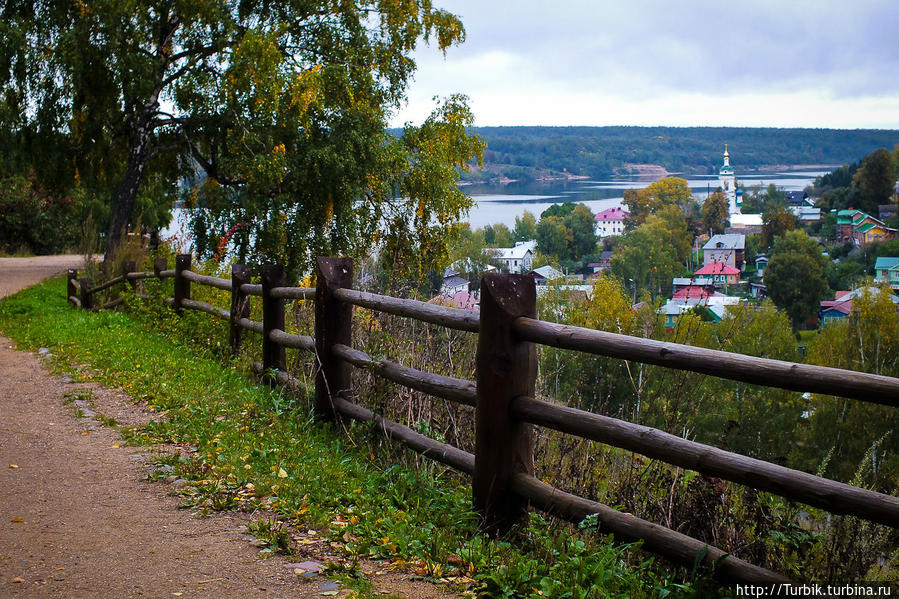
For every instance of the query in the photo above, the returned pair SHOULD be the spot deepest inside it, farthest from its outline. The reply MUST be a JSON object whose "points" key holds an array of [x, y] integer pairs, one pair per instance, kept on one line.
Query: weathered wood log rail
{"points": [[502, 469]]}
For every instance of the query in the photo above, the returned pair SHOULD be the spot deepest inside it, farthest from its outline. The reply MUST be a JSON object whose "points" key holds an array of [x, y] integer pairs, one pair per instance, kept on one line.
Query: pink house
{"points": [[611, 221]]}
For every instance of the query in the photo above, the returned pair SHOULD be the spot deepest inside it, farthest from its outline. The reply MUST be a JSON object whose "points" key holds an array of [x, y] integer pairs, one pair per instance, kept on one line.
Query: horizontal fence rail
{"points": [[677, 547], [137, 275], [453, 318], [206, 280], [457, 390], [428, 447], [833, 496], [290, 340], [108, 284], [251, 289], [502, 468], [251, 325], [296, 293], [737, 367], [206, 307]]}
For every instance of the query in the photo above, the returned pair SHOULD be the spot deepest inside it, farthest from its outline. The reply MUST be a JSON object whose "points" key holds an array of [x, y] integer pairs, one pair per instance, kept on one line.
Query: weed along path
{"points": [[79, 519]]}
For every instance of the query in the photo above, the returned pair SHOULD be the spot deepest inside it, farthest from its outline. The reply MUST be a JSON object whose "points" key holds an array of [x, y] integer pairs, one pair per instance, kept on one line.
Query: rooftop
{"points": [[730, 241], [886, 262], [548, 272], [617, 213], [717, 268]]}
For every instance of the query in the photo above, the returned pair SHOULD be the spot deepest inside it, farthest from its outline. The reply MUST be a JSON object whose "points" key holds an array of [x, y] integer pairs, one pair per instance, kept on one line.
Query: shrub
{"points": [[33, 220]]}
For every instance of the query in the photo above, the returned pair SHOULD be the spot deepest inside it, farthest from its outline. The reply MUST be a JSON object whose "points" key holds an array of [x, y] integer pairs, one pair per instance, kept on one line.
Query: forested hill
{"points": [[521, 151]]}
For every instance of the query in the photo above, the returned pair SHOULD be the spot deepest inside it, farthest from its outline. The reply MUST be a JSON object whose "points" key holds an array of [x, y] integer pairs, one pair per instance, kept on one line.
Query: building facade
{"points": [[610, 222]]}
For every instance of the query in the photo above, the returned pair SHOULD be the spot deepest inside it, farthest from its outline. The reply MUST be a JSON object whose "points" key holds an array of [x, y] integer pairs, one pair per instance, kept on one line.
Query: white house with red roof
{"points": [[610, 222]]}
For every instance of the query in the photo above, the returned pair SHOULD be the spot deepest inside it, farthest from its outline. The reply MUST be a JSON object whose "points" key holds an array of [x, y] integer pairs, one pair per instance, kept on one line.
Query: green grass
{"points": [[257, 448]]}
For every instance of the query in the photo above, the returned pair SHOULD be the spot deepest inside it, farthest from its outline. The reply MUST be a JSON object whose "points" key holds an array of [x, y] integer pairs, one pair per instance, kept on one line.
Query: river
{"points": [[502, 203]]}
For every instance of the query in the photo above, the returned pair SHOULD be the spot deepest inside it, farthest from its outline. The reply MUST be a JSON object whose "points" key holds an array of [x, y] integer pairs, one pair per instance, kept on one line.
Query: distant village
{"points": [[724, 279]]}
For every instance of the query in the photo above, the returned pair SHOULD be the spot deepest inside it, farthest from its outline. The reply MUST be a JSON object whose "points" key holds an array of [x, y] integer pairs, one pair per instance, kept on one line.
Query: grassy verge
{"points": [[256, 448]]}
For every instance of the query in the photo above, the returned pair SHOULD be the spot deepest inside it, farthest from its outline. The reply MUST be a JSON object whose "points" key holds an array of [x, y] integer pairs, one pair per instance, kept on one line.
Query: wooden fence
{"points": [[502, 467]]}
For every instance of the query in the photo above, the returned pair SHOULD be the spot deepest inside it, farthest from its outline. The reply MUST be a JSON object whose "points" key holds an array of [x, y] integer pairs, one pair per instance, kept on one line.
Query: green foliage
{"points": [[583, 234], [654, 252], [273, 534], [553, 237], [525, 227], [275, 105], [715, 213], [867, 341], [669, 227], [766, 423], [669, 191], [845, 275], [498, 235], [559, 210], [565, 232], [875, 179], [249, 456], [414, 229], [594, 383], [34, 220], [795, 276], [600, 151], [776, 221], [841, 177]]}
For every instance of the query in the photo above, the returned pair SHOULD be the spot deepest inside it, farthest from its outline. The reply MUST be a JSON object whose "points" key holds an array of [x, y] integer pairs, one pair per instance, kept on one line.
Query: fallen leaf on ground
{"points": [[282, 473], [14, 466], [16, 520], [17, 579]]}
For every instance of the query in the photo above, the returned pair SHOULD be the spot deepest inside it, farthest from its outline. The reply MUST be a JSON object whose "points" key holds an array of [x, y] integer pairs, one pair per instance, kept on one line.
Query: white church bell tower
{"points": [[727, 181]]}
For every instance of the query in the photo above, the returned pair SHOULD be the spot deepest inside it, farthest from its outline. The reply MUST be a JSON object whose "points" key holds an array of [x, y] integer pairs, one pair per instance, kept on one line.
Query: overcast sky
{"points": [[781, 63]]}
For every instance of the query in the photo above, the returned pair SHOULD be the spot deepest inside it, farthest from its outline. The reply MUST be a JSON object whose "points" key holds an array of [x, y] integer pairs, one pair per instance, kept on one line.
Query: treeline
{"points": [[598, 151]]}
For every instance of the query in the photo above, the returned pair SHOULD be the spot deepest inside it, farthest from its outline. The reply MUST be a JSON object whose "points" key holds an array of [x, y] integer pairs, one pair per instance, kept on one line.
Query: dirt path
{"points": [[77, 517], [18, 273]]}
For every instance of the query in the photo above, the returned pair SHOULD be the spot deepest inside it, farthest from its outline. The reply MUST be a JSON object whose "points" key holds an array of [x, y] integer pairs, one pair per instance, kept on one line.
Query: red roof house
{"points": [[720, 272], [693, 292]]}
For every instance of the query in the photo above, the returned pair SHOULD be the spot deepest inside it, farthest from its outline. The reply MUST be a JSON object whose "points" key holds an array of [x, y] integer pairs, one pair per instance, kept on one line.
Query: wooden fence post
{"points": [[182, 285], [87, 298], [129, 266], [274, 356], [506, 369], [159, 265], [70, 285], [333, 324], [240, 307]]}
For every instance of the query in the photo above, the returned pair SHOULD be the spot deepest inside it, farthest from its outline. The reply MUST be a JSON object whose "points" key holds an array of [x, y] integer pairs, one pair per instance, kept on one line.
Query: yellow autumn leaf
{"points": [[282, 473], [13, 466]]}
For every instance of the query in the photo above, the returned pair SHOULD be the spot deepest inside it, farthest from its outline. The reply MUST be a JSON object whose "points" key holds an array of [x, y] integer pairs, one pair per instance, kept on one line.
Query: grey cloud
{"points": [[638, 48]]}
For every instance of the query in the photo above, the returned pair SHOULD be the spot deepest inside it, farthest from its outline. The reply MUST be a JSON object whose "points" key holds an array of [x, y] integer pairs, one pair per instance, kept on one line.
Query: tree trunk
{"points": [[138, 155]]}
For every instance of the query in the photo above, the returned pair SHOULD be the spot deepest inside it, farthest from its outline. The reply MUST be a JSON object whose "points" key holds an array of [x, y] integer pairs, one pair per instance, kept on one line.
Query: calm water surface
{"points": [[503, 203]]}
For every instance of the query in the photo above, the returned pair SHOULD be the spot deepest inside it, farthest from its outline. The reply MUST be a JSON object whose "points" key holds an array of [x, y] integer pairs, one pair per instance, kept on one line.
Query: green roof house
{"points": [[886, 270]]}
